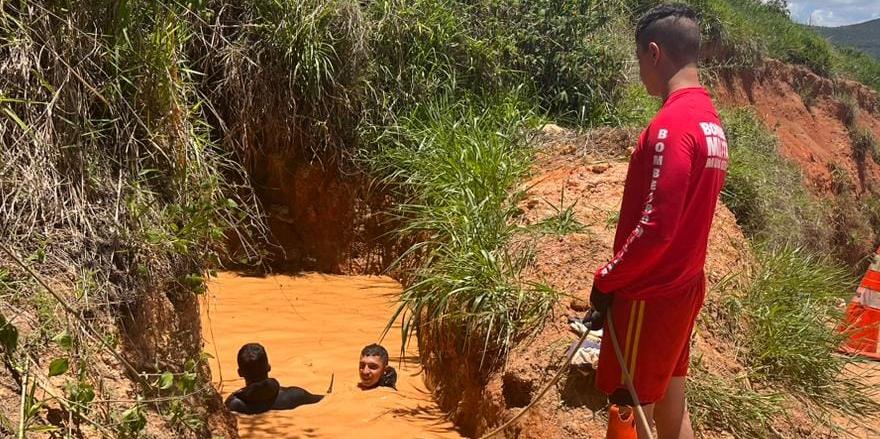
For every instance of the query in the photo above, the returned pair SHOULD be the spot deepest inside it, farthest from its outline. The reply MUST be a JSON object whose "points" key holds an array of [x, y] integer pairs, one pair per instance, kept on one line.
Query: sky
{"points": [[834, 12]]}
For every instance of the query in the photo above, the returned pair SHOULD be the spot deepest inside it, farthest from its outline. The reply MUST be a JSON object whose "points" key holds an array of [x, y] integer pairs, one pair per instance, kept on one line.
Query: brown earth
{"points": [[321, 216], [807, 113]]}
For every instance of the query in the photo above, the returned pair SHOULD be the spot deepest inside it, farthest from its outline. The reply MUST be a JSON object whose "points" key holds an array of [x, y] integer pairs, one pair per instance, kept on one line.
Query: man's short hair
{"points": [[375, 350], [675, 28], [252, 360]]}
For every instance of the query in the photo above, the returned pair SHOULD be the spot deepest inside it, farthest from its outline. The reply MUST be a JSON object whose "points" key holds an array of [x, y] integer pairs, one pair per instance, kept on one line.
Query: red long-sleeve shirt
{"points": [[675, 176]]}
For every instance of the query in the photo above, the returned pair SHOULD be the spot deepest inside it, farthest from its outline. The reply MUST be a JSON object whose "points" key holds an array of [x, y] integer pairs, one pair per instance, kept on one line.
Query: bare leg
{"points": [[671, 414], [649, 414]]}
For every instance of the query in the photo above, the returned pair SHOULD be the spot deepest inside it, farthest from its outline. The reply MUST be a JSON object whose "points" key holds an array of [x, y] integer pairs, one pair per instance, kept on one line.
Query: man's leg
{"points": [[649, 415], [671, 413]]}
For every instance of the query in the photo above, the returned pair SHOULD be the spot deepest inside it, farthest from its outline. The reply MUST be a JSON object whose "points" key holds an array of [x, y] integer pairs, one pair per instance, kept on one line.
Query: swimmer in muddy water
{"points": [[261, 393], [374, 369]]}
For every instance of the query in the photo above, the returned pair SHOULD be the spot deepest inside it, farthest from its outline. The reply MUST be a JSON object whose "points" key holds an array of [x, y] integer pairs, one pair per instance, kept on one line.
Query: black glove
{"points": [[599, 305]]}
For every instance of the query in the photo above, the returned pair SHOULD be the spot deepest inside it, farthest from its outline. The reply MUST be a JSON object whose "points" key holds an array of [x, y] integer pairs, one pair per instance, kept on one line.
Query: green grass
{"points": [[788, 319], [456, 168], [719, 403], [563, 221], [766, 192], [864, 144]]}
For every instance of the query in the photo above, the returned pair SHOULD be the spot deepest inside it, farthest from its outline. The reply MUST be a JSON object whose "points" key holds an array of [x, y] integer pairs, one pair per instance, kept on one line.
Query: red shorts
{"points": [[654, 338]]}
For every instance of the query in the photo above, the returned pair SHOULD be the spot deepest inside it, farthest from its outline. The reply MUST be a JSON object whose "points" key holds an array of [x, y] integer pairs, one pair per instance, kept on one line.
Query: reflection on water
{"points": [[313, 326]]}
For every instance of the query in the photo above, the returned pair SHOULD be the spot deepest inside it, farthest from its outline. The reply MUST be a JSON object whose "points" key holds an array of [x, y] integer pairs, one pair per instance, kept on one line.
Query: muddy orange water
{"points": [[313, 326]]}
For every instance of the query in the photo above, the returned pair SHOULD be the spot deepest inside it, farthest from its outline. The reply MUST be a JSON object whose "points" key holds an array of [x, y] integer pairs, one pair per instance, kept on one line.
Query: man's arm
{"points": [[667, 159], [293, 397]]}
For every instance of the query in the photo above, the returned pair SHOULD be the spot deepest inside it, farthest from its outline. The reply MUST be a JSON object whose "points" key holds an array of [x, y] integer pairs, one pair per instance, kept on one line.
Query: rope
{"points": [[640, 413], [543, 391]]}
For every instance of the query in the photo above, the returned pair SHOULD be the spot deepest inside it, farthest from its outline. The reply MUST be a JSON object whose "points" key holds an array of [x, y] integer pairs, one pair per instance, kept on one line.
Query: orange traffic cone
{"points": [[863, 316], [621, 423]]}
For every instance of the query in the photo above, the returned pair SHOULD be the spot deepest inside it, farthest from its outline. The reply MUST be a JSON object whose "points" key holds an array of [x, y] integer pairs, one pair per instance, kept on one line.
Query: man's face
{"points": [[370, 369], [649, 71]]}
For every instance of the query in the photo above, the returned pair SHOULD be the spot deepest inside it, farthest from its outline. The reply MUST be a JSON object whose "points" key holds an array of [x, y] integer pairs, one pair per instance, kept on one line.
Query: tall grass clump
{"points": [[456, 167], [858, 66], [788, 334], [281, 77], [864, 144], [766, 192]]}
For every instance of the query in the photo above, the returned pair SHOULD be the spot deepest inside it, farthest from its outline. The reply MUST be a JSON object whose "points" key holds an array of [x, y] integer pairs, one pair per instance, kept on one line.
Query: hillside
{"points": [[862, 36], [472, 151]]}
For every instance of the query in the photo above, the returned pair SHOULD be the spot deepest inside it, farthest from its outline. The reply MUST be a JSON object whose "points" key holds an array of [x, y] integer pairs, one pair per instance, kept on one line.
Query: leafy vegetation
{"points": [[766, 192], [796, 292], [456, 167]]}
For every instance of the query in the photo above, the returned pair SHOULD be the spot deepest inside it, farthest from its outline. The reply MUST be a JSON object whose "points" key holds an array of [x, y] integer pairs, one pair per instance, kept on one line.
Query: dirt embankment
{"points": [[154, 334], [586, 171], [812, 118], [321, 216]]}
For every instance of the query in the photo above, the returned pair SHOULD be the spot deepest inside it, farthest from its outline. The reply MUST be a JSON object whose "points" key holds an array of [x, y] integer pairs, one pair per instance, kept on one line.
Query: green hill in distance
{"points": [[863, 36]]}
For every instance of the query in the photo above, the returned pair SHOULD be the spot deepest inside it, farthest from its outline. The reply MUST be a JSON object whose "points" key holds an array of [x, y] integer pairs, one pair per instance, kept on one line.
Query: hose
{"points": [[543, 391], [640, 413]]}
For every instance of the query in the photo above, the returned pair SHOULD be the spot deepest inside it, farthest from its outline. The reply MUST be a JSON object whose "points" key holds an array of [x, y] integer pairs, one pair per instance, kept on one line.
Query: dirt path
{"points": [[312, 326]]}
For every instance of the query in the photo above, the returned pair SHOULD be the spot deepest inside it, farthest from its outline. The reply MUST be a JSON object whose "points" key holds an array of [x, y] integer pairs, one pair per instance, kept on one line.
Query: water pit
{"points": [[312, 326]]}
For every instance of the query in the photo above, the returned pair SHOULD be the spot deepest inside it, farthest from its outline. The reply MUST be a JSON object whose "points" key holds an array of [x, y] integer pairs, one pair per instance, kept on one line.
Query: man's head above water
{"points": [[667, 43], [373, 366], [253, 363]]}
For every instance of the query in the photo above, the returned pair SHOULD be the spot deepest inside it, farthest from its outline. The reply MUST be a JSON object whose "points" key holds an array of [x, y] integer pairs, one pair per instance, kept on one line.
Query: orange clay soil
{"points": [[810, 133], [313, 326]]}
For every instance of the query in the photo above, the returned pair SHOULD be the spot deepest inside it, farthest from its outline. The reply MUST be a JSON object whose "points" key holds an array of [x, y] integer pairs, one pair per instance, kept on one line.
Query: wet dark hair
{"points": [[253, 361], [375, 350], [674, 27]]}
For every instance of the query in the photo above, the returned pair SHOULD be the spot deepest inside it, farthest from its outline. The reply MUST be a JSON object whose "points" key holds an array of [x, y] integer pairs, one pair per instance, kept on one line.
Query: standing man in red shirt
{"points": [[653, 287]]}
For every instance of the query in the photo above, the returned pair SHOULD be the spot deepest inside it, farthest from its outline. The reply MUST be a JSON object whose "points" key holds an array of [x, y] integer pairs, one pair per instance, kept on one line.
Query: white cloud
{"points": [[834, 12]]}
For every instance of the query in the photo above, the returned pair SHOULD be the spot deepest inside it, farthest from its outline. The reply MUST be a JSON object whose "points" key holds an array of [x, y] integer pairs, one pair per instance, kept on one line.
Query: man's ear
{"points": [[654, 50], [268, 368]]}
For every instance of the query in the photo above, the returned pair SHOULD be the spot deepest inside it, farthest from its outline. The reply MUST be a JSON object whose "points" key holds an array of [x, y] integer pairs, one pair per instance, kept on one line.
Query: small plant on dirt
{"points": [[863, 144], [849, 109], [178, 411], [563, 221], [132, 422], [612, 219], [807, 91]]}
